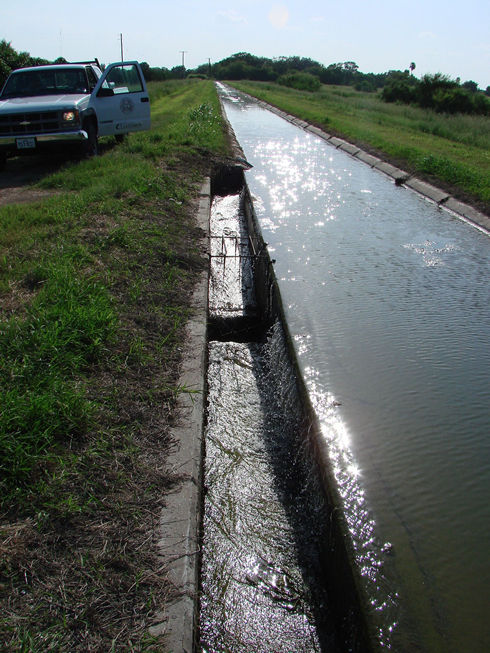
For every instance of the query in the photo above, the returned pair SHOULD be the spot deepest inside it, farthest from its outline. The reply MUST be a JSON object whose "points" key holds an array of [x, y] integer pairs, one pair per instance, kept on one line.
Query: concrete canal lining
{"points": [[179, 528]]}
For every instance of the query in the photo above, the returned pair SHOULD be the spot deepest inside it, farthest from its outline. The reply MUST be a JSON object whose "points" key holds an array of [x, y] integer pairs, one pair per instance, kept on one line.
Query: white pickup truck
{"points": [[65, 104]]}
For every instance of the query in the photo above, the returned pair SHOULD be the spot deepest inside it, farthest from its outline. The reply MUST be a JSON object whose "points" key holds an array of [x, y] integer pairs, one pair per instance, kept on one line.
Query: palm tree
{"points": [[412, 67]]}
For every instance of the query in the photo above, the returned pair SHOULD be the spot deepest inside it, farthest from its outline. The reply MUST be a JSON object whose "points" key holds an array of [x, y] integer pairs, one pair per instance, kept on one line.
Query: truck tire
{"points": [[91, 145]]}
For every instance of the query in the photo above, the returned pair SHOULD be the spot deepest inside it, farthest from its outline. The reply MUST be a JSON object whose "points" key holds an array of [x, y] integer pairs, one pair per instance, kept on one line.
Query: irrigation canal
{"points": [[387, 302]]}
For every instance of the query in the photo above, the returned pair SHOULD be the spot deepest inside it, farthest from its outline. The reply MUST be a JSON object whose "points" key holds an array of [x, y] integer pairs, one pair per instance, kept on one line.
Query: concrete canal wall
{"points": [[180, 520]]}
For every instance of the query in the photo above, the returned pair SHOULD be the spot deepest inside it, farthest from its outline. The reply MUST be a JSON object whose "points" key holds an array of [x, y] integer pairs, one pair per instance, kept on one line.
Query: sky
{"points": [[379, 35]]}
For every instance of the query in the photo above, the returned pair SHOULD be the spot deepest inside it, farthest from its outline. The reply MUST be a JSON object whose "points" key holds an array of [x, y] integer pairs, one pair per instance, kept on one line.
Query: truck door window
{"points": [[125, 79]]}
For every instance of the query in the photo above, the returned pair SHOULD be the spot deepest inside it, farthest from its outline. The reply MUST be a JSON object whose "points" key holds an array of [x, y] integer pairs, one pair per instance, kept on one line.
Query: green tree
{"points": [[10, 59], [399, 90], [470, 86], [177, 72], [429, 85]]}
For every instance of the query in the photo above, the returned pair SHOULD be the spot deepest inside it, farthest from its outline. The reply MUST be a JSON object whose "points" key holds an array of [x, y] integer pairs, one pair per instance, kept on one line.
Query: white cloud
{"points": [[233, 16], [279, 16]]}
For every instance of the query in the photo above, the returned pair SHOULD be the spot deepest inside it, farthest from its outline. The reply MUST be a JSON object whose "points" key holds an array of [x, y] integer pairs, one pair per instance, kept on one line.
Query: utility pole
{"points": [[122, 52], [183, 53]]}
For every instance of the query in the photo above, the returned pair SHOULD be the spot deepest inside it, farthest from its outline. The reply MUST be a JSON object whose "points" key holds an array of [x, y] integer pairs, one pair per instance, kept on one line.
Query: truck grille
{"points": [[19, 124]]}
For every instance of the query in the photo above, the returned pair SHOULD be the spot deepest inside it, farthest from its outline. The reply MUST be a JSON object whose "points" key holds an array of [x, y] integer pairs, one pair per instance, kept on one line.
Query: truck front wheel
{"points": [[91, 145]]}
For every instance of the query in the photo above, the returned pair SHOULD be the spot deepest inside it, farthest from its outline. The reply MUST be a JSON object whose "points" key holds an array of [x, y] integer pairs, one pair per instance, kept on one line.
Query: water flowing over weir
{"points": [[260, 592], [386, 301], [261, 582]]}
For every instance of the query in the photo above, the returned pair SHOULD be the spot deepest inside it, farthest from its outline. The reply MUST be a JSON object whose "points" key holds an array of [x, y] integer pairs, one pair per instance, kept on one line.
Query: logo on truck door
{"points": [[127, 105]]}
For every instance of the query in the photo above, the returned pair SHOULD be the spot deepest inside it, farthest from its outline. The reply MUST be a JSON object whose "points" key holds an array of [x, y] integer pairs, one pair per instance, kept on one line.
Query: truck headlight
{"points": [[70, 116]]}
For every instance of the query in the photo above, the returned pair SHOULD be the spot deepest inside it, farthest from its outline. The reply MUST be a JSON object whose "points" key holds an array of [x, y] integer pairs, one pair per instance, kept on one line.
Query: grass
{"points": [[95, 283], [62, 333], [451, 151]]}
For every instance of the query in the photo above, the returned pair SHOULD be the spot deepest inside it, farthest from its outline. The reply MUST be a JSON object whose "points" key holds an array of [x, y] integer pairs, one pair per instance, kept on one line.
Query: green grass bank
{"points": [[95, 283], [450, 151]]}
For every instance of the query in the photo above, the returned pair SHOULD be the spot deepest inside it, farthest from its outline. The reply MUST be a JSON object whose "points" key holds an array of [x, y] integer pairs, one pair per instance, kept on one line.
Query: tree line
{"points": [[247, 66], [10, 60], [437, 91]]}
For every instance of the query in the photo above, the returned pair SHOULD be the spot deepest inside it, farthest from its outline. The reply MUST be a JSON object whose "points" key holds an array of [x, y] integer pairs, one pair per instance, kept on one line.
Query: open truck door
{"points": [[121, 100]]}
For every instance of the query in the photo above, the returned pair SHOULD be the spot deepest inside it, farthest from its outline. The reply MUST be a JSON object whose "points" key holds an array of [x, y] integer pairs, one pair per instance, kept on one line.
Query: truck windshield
{"points": [[30, 83]]}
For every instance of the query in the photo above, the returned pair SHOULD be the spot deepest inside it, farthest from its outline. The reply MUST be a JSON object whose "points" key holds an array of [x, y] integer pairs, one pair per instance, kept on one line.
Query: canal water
{"points": [[387, 301]]}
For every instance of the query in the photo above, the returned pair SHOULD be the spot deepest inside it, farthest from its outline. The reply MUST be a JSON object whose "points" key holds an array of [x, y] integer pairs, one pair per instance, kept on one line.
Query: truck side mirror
{"points": [[105, 92]]}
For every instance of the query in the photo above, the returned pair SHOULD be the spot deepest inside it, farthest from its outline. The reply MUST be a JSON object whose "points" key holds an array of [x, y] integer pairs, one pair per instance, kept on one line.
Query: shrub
{"points": [[429, 85], [398, 91], [437, 92], [452, 100], [459, 100], [481, 104], [300, 81], [365, 86]]}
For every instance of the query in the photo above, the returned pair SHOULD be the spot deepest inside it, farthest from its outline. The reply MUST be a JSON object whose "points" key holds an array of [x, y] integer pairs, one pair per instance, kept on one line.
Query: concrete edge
{"points": [[400, 177], [235, 146], [180, 520]]}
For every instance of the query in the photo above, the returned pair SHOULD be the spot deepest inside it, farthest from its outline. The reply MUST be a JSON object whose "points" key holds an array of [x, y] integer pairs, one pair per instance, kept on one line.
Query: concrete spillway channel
{"points": [[253, 537], [275, 570]]}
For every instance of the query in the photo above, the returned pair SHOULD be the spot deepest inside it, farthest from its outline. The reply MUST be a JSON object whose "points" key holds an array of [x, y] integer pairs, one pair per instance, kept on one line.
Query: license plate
{"points": [[26, 143]]}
